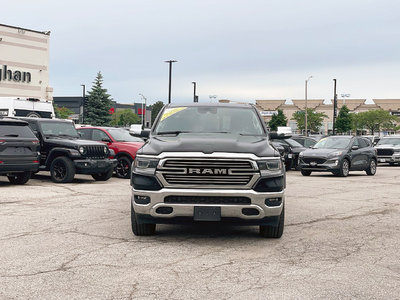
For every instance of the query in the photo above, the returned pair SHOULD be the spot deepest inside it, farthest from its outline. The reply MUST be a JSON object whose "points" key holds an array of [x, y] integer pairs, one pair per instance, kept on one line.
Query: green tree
{"points": [[97, 110], [357, 123], [125, 117], [155, 109], [343, 121], [62, 112], [375, 120], [314, 119], [277, 120]]}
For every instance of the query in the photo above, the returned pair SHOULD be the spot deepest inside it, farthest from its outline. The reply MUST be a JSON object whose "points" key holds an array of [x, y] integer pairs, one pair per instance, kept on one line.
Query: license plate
{"points": [[313, 163], [207, 213], [382, 160], [289, 155]]}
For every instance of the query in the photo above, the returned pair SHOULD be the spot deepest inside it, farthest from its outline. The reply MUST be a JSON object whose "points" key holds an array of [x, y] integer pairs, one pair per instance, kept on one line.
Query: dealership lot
{"points": [[341, 240]]}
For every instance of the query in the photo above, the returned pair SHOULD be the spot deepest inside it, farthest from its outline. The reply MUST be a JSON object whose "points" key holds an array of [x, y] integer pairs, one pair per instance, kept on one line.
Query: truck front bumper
{"points": [[395, 158], [93, 166], [262, 209]]}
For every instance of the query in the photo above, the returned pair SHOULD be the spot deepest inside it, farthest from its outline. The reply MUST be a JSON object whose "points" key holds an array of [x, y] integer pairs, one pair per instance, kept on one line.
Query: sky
{"points": [[239, 50]]}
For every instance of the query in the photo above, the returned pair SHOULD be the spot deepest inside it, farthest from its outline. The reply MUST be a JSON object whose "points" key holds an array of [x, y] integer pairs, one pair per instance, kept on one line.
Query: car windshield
{"points": [[333, 142], [389, 141], [121, 135], [293, 143], [209, 119], [59, 129]]}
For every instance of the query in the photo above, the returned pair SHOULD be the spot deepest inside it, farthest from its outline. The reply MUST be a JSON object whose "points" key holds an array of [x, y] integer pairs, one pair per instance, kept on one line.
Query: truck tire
{"points": [[19, 178], [123, 168], [305, 172], [62, 170], [103, 176], [371, 170], [275, 232], [139, 229]]}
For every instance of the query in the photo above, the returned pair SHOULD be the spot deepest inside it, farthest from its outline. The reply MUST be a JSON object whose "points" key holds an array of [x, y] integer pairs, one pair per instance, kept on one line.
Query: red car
{"points": [[124, 145]]}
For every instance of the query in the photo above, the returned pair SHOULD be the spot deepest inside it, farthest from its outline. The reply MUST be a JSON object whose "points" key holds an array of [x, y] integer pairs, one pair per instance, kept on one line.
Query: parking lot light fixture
{"points": [[306, 113]]}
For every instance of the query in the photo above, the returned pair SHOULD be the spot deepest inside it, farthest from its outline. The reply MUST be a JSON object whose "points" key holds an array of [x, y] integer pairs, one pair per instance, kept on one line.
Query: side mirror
{"points": [[145, 133], [354, 148]]}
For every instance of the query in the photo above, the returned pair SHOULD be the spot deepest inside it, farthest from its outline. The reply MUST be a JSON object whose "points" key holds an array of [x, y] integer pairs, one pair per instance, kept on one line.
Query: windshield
{"points": [[121, 135], [203, 119], [59, 129], [333, 142], [293, 143], [389, 141]]}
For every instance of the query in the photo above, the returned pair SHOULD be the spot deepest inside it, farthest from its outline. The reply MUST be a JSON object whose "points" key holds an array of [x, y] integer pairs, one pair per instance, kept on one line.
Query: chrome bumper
{"points": [[227, 210]]}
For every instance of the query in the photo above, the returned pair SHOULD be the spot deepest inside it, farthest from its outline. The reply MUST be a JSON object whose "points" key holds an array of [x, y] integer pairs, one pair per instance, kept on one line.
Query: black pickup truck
{"points": [[19, 151], [64, 154], [208, 163]]}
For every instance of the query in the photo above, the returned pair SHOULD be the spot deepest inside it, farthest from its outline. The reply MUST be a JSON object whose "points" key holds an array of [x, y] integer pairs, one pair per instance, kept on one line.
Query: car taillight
{"points": [[35, 161], [2, 141], [35, 142]]}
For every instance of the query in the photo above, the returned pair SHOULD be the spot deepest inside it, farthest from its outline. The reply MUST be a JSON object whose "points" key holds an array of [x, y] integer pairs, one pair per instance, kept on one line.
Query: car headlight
{"points": [[82, 150], [336, 153], [145, 165], [270, 166], [396, 150], [301, 154]]}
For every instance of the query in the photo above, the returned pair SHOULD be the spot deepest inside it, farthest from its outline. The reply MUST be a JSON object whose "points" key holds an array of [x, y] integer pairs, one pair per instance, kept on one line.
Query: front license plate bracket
{"points": [[207, 213]]}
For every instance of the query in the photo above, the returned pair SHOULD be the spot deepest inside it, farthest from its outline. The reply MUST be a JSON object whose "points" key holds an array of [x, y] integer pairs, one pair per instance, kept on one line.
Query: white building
{"points": [[24, 63]]}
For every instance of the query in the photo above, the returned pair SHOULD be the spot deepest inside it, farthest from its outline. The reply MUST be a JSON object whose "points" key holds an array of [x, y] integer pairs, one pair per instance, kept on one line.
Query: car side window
{"points": [[99, 135], [308, 143], [362, 143], [355, 143], [84, 133]]}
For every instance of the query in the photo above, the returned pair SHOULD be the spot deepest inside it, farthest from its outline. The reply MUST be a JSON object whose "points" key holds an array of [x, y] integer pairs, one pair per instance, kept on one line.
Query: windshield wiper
{"points": [[172, 132]]}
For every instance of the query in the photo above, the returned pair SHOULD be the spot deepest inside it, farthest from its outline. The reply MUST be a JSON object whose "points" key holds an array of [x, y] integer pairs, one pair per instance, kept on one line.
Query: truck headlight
{"points": [[105, 150], [270, 166], [82, 150], [301, 154], [145, 165]]}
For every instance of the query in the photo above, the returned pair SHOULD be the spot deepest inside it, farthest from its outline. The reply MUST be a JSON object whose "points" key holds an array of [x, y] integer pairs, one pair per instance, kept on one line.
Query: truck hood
{"points": [[387, 146], [72, 143], [208, 143]]}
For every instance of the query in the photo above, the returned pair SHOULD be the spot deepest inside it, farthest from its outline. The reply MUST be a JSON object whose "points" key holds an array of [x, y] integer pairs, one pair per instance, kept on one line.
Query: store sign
{"points": [[395, 113], [14, 75], [268, 113]]}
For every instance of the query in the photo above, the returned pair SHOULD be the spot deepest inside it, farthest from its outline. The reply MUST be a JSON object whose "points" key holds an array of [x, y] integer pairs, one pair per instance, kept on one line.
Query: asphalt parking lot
{"points": [[341, 240]]}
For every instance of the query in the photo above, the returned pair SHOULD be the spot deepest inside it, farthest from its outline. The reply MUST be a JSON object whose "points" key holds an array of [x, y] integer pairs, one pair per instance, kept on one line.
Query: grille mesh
{"points": [[95, 152], [215, 172], [385, 151]]}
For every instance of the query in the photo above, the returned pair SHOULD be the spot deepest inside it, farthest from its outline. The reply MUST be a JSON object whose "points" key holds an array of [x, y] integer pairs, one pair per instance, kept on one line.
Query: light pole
{"points": [[344, 96], [143, 110], [212, 97], [306, 113], [334, 107], [82, 103], [194, 91], [170, 73]]}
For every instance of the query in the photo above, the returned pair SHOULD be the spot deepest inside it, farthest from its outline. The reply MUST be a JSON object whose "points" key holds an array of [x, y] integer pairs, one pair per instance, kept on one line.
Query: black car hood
{"points": [[70, 142], [320, 152], [208, 143]]}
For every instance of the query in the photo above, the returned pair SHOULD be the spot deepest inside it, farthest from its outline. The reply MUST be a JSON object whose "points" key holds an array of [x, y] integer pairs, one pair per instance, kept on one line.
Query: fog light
{"points": [[336, 162], [142, 199], [273, 201]]}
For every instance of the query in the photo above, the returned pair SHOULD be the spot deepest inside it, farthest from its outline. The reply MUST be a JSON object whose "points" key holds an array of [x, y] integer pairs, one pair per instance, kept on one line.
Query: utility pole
{"points": [[82, 103], [334, 107], [170, 74], [306, 112], [194, 92], [143, 110]]}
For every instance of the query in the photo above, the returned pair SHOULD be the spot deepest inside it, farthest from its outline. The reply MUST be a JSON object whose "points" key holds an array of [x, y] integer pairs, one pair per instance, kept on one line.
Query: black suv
{"points": [[19, 151], [292, 149], [339, 155], [64, 154]]}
